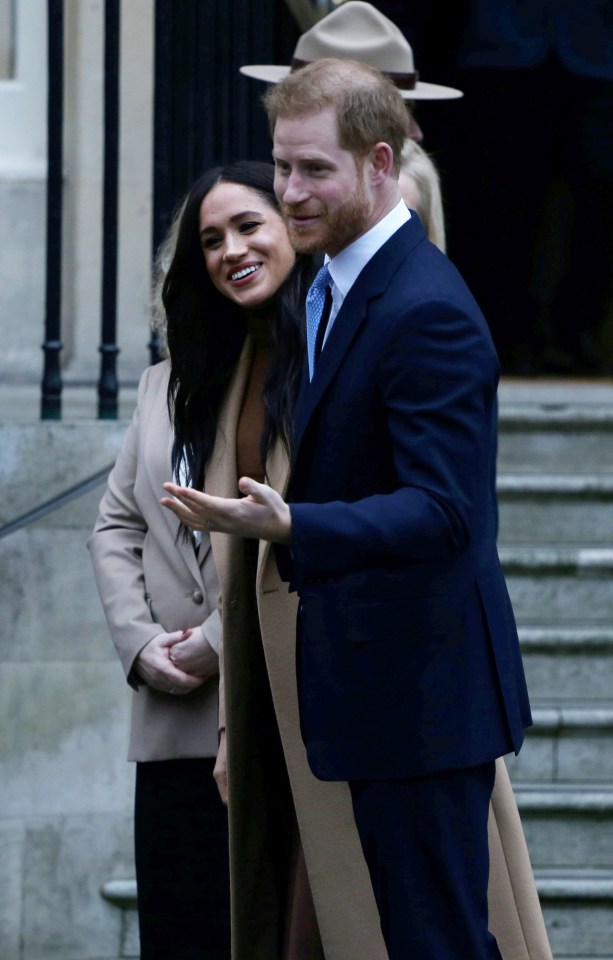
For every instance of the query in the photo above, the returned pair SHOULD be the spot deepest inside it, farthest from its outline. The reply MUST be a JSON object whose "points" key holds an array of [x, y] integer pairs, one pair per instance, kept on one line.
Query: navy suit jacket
{"points": [[408, 656]]}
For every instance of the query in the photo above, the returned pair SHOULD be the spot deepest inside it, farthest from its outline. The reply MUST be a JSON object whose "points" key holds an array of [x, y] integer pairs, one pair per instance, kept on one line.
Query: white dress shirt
{"points": [[348, 264]]}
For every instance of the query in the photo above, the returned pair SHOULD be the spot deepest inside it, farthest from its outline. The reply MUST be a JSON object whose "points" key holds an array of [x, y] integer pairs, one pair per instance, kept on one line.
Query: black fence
{"points": [[205, 113]]}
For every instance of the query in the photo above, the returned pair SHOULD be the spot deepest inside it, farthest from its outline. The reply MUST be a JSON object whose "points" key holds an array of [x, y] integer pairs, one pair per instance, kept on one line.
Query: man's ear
{"points": [[381, 162]]}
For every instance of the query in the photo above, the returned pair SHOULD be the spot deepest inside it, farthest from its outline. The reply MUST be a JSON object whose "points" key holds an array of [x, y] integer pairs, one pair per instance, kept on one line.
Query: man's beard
{"points": [[334, 230]]}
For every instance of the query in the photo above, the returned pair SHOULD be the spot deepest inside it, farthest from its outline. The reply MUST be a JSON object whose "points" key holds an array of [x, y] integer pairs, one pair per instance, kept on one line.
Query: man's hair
{"points": [[369, 108]]}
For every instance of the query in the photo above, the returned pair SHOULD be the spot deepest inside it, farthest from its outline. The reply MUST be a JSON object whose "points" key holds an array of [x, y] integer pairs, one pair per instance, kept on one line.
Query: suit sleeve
{"points": [[437, 379]]}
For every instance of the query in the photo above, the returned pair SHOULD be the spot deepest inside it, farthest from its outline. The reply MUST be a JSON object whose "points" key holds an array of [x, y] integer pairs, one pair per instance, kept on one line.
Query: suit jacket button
{"points": [[197, 596]]}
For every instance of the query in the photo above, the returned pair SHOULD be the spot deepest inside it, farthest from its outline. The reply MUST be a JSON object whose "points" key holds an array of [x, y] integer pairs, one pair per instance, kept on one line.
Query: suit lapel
{"points": [[371, 282]]}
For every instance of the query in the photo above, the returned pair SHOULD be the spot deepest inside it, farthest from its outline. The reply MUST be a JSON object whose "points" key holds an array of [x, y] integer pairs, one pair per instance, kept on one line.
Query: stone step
{"points": [[577, 906], [562, 437], [568, 825], [556, 508], [573, 744], [567, 585], [568, 664], [578, 911]]}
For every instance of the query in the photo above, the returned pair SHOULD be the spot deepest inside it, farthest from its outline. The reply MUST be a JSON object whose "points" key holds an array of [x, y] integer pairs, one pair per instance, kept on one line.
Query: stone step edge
{"points": [[596, 485], [555, 416], [553, 639], [564, 798], [575, 885], [574, 717], [562, 885], [550, 884], [539, 559]]}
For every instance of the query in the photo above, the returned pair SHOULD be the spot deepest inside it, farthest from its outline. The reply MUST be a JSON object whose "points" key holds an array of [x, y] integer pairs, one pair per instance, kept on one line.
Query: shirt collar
{"points": [[349, 263]]}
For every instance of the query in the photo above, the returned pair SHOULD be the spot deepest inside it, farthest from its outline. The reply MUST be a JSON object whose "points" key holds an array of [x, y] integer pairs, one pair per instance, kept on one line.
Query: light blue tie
{"points": [[316, 297]]}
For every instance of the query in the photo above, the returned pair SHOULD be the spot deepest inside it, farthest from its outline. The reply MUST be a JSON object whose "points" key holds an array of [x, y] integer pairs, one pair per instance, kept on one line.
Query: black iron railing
{"points": [[51, 392], [108, 388], [205, 113], [54, 503]]}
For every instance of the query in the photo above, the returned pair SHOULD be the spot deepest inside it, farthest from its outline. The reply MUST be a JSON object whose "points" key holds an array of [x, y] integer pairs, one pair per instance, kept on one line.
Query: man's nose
{"points": [[294, 190]]}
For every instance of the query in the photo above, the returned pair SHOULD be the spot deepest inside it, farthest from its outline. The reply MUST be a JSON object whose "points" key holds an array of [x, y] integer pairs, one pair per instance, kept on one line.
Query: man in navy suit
{"points": [[409, 669]]}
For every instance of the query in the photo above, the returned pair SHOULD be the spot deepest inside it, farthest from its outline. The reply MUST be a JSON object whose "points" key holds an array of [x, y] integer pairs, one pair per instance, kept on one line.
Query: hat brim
{"points": [[272, 73]]}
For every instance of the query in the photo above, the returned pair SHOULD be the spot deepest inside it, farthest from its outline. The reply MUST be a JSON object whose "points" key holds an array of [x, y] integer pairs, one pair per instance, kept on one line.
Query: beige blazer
{"points": [[342, 893], [151, 582]]}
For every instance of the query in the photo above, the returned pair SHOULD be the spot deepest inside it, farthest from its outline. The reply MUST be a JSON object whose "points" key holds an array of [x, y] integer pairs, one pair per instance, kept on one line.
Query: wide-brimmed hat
{"points": [[358, 31]]}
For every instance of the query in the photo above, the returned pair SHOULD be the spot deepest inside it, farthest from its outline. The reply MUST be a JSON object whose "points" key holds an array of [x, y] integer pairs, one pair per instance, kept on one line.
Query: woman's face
{"points": [[245, 244]]}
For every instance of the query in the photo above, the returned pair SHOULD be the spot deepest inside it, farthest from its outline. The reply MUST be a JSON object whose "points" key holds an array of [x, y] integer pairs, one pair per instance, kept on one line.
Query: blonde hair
{"points": [[419, 166], [368, 107], [161, 262]]}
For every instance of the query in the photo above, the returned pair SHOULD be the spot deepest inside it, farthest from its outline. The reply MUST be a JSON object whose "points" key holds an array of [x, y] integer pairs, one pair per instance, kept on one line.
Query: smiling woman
{"points": [[219, 407], [246, 248]]}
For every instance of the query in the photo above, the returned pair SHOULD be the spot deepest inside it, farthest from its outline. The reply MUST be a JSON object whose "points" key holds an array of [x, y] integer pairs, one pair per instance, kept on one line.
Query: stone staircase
{"points": [[555, 482], [65, 825]]}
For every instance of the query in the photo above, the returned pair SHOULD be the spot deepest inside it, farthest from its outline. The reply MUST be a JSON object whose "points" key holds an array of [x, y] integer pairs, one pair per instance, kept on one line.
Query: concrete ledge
{"points": [[547, 719], [564, 798], [555, 416], [548, 391], [584, 885], [537, 559], [569, 486], [553, 640]]}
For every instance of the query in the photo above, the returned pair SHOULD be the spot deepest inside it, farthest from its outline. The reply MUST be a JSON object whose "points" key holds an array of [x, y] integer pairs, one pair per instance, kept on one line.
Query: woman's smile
{"points": [[244, 274], [246, 248]]}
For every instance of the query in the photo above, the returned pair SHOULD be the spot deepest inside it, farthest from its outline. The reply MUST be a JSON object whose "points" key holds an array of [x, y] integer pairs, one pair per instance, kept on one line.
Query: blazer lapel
{"points": [[157, 440]]}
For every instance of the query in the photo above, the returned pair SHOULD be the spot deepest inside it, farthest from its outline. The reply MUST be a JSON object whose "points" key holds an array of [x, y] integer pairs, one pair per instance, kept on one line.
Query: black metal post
{"points": [[51, 386], [107, 384], [206, 113], [162, 159]]}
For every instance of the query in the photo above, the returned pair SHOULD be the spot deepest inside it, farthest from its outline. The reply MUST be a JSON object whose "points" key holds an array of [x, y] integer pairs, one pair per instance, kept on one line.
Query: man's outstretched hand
{"points": [[260, 513]]}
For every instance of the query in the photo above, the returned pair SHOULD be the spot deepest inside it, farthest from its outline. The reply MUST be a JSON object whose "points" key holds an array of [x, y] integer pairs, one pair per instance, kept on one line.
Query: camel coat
{"points": [[260, 710]]}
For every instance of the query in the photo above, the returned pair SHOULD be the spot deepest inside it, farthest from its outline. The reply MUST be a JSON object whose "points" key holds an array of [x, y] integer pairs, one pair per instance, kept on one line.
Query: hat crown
{"points": [[358, 31]]}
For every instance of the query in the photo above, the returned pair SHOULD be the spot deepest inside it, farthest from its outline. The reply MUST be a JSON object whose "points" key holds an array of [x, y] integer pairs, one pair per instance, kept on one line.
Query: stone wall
{"points": [[65, 786]]}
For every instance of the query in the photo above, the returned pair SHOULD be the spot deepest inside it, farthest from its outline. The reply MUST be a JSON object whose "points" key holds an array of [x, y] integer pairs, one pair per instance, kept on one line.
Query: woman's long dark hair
{"points": [[206, 331]]}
